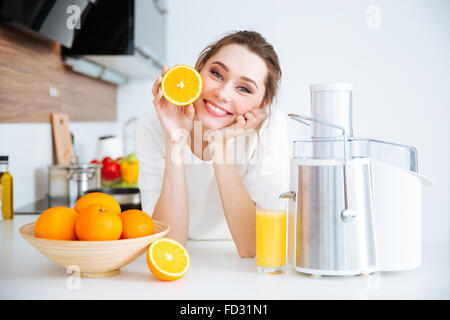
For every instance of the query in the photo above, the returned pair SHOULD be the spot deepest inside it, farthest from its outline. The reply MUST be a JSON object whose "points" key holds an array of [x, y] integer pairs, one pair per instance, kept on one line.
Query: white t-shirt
{"points": [[263, 167]]}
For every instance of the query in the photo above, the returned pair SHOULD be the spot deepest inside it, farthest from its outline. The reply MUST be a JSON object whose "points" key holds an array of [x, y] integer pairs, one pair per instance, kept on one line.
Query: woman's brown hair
{"points": [[257, 44]]}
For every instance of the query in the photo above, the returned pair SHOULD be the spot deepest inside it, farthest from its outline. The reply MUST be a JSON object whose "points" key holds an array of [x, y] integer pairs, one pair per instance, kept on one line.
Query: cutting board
{"points": [[62, 139]]}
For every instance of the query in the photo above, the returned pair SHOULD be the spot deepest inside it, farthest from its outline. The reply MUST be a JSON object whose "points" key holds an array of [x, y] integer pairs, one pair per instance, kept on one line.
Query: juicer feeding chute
{"points": [[331, 103]]}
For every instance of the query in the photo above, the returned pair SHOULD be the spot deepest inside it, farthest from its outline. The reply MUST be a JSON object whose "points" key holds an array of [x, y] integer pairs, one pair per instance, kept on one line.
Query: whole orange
{"points": [[96, 198], [136, 223], [56, 223], [98, 222]]}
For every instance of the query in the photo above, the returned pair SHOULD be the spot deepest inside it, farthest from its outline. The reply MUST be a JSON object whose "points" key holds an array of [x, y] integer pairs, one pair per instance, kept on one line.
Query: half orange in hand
{"points": [[181, 85], [167, 259]]}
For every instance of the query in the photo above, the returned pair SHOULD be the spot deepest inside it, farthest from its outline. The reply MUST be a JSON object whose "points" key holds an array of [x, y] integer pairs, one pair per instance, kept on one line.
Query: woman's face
{"points": [[233, 84]]}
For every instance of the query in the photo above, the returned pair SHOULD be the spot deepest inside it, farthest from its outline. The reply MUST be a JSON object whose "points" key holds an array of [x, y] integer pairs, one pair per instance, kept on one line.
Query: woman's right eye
{"points": [[216, 74]]}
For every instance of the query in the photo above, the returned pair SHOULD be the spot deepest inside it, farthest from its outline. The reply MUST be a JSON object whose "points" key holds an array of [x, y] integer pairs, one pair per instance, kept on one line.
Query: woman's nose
{"points": [[222, 93]]}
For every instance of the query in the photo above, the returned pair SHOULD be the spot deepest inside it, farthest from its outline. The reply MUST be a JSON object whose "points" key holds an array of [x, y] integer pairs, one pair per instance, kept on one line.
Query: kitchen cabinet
{"points": [[35, 83]]}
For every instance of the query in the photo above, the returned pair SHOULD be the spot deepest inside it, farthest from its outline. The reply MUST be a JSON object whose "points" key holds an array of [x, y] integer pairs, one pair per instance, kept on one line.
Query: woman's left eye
{"points": [[244, 89]]}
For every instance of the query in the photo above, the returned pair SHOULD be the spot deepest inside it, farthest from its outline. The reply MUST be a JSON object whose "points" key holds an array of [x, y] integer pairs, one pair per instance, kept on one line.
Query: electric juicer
{"points": [[354, 203]]}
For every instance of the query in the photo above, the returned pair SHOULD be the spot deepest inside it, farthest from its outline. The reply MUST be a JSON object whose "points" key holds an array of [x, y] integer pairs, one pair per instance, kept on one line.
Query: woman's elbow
{"points": [[247, 253]]}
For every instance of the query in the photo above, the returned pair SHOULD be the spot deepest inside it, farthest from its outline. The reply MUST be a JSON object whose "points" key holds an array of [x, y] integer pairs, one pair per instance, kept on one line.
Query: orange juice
{"points": [[270, 240]]}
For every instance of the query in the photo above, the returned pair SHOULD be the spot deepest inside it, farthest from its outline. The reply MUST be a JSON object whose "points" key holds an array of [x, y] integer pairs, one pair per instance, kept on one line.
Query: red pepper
{"points": [[110, 169], [106, 160]]}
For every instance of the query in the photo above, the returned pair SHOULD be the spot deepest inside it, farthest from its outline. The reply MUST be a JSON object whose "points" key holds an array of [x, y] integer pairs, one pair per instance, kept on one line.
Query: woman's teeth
{"points": [[219, 111]]}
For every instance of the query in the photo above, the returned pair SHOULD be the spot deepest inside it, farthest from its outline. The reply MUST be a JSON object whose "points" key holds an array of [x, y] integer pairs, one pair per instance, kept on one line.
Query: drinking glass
{"points": [[271, 236]]}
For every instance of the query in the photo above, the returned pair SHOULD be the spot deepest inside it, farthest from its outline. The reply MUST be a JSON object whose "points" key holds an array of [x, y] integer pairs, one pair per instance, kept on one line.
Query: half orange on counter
{"points": [[167, 259], [181, 85]]}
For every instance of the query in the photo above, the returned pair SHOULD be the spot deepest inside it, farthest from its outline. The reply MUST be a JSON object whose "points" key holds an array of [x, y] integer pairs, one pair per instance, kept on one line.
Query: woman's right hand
{"points": [[176, 121]]}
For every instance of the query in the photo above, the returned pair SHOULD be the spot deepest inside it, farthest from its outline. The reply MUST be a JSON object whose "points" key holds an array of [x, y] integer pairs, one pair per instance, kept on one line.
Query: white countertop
{"points": [[217, 272]]}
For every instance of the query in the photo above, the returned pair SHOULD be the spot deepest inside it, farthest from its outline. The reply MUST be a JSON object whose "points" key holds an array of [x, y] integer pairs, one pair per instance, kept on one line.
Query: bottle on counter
{"points": [[1, 195], [6, 181]]}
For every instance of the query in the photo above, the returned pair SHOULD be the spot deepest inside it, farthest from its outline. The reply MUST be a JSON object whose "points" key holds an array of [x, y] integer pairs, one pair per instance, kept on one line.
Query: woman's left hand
{"points": [[244, 124]]}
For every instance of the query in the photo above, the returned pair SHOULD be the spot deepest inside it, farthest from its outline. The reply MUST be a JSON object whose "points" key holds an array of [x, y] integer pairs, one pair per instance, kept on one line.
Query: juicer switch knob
{"points": [[348, 215]]}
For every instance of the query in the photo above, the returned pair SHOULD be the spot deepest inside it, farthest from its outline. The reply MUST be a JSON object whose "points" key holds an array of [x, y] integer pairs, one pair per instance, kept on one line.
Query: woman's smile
{"points": [[215, 110]]}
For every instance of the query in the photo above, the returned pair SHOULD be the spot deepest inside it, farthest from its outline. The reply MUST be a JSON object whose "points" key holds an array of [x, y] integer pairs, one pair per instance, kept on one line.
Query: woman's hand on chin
{"points": [[244, 124], [176, 121]]}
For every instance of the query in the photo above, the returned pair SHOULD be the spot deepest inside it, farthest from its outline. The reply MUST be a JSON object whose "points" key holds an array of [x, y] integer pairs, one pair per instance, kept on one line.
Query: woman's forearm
{"points": [[239, 208], [172, 206]]}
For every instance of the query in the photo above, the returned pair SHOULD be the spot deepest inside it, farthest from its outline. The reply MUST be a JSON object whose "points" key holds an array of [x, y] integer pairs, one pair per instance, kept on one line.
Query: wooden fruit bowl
{"points": [[93, 258]]}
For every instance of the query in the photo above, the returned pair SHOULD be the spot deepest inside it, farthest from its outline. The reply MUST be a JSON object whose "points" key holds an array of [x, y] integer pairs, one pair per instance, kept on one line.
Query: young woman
{"points": [[205, 167]]}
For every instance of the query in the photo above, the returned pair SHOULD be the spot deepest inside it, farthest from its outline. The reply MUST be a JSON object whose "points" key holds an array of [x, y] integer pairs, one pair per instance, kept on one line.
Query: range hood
{"points": [[112, 40], [119, 40], [57, 20]]}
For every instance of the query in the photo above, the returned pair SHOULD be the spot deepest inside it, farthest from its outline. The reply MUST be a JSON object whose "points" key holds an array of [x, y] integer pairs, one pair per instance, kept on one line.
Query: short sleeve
{"points": [[150, 151], [268, 170]]}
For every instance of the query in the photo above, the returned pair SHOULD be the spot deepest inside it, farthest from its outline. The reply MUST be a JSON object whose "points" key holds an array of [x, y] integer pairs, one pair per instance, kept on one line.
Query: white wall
{"points": [[400, 73]]}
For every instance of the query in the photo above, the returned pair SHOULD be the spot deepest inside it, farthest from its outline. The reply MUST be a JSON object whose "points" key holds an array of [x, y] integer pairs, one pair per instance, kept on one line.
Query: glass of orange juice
{"points": [[271, 237]]}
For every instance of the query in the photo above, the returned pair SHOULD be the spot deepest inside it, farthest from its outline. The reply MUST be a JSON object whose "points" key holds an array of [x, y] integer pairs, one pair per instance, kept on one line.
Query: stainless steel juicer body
{"points": [[323, 238], [330, 212]]}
